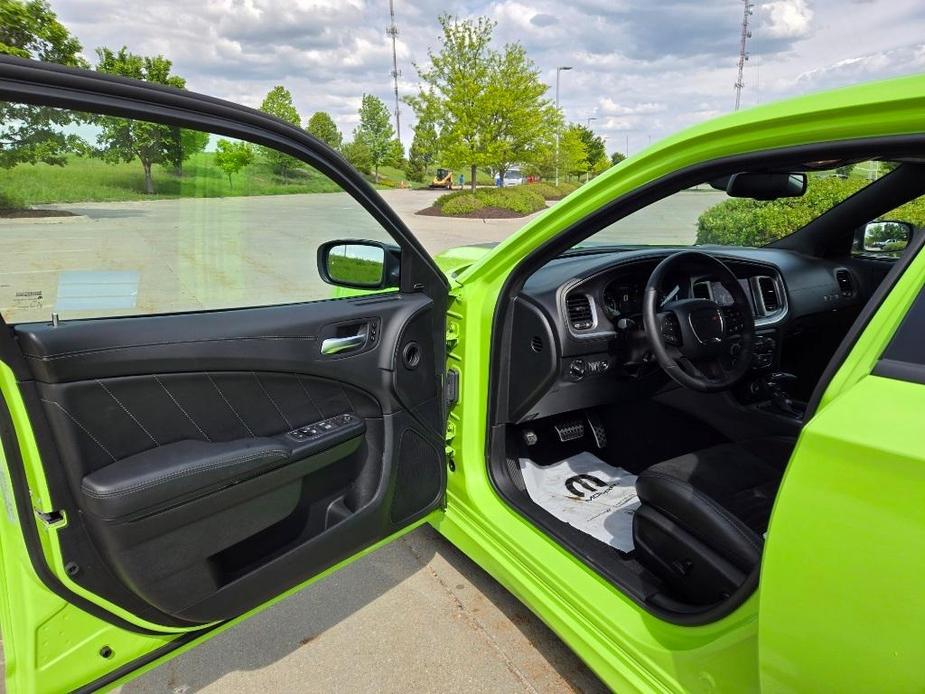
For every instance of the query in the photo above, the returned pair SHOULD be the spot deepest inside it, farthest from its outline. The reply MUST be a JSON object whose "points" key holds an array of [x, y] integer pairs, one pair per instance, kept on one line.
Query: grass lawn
{"points": [[93, 180]]}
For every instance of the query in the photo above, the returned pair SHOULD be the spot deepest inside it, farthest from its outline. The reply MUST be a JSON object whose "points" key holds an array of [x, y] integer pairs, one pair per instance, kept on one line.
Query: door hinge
{"points": [[452, 334]]}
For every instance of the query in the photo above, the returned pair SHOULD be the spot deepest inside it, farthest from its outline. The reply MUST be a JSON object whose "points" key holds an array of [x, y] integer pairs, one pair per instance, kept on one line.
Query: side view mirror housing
{"points": [[762, 186], [358, 264], [883, 237]]}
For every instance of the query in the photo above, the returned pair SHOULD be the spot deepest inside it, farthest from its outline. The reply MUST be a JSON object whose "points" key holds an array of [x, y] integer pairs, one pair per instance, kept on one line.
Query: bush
{"points": [[547, 190], [744, 222], [12, 201], [458, 205], [517, 199]]}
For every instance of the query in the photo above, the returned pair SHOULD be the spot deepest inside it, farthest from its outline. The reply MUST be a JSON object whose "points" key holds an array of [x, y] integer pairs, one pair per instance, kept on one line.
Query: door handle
{"points": [[336, 345]]}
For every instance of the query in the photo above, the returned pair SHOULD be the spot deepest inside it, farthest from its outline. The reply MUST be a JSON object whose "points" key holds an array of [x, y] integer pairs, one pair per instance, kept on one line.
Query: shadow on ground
{"points": [[415, 614]]}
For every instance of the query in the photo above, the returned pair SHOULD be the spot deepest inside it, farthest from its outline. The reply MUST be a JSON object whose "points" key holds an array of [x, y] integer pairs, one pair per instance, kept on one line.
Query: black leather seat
{"points": [[703, 516]]}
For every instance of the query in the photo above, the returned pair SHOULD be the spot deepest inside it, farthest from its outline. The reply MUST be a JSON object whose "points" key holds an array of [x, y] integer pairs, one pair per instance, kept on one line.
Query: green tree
{"points": [[519, 117], [30, 29], [491, 105], [454, 87], [617, 157], [32, 134], [322, 126], [357, 153], [376, 133], [425, 148], [188, 143], [278, 102], [594, 147], [573, 155], [125, 139], [231, 157]]}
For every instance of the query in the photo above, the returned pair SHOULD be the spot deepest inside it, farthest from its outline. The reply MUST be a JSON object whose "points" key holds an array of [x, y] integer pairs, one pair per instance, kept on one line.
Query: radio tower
{"points": [[743, 53], [392, 31]]}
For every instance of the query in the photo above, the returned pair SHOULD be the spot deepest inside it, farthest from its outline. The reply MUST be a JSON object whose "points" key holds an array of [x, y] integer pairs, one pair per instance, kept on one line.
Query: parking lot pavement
{"points": [[416, 615], [200, 253]]}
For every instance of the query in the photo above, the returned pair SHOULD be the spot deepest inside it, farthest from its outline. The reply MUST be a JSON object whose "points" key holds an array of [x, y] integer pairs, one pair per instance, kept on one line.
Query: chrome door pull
{"points": [[336, 345]]}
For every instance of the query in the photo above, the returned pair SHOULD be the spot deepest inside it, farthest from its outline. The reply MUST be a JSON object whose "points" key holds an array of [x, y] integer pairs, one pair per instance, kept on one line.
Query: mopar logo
{"points": [[588, 482]]}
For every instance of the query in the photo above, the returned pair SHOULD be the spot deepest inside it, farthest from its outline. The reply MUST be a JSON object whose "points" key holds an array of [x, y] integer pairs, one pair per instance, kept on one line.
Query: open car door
{"points": [[198, 429]]}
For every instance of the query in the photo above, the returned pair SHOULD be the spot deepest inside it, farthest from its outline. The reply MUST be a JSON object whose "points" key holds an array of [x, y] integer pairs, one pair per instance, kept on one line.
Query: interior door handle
{"points": [[336, 345]]}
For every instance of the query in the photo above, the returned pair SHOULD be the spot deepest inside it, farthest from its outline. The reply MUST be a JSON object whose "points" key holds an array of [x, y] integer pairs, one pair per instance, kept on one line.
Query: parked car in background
{"points": [[513, 177]]}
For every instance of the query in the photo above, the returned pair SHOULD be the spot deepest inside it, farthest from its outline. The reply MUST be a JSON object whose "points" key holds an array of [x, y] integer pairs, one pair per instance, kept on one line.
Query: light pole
{"points": [[588, 176], [558, 70]]}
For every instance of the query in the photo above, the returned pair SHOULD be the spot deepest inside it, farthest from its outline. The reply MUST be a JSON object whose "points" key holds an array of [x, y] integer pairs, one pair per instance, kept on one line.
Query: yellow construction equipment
{"points": [[443, 179]]}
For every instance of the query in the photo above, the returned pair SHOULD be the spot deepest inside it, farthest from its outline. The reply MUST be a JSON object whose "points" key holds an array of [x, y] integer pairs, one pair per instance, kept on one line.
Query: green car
{"points": [[695, 449]]}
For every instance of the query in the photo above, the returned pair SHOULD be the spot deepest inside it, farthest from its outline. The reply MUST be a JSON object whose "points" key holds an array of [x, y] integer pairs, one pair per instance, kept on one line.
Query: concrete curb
{"points": [[7, 221]]}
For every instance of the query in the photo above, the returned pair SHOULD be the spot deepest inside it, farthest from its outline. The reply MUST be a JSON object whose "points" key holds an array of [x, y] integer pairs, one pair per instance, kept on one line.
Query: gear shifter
{"points": [[780, 398]]}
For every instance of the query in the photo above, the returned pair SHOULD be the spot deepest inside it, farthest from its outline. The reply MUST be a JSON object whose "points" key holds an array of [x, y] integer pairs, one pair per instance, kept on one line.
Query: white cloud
{"points": [[642, 69], [786, 19]]}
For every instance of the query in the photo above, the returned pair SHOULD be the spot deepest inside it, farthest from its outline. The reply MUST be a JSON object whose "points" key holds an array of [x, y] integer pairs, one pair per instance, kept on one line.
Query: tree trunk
{"points": [[149, 181], [472, 175], [376, 174]]}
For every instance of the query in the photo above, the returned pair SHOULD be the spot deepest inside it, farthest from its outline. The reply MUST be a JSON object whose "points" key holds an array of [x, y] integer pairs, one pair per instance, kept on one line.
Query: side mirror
{"points": [[359, 264], [884, 237], [762, 186]]}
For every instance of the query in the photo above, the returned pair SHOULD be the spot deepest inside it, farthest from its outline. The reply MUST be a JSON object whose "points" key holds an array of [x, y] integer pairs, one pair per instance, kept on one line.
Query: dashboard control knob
{"points": [[577, 369]]}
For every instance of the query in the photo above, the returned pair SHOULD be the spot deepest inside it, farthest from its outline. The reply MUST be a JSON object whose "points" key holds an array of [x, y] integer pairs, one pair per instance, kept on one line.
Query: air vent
{"points": [[845, 283], [536, 344], [579, 311], [702, 290], [770, 298]]}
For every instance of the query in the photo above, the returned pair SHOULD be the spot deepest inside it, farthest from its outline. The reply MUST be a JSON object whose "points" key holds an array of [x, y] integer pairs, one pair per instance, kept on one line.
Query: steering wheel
{"points": [[700, 344]]}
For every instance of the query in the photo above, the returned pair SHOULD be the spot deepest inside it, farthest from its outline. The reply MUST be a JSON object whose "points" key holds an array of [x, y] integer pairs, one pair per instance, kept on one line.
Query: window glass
{"points": [[705, 215], [104, 216]]}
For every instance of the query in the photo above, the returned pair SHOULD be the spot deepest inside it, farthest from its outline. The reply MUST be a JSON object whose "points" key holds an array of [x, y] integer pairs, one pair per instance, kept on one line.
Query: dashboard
{"points": [[578, 339]]}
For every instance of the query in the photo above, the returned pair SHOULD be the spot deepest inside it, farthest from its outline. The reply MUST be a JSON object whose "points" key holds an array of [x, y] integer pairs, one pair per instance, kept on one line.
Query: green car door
{"points": [[191, 428], [842, 567]]}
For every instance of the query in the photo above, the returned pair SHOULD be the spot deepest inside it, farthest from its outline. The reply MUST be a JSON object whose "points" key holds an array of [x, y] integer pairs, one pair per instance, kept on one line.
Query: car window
{"points": [[104, 216], [706, 215]]}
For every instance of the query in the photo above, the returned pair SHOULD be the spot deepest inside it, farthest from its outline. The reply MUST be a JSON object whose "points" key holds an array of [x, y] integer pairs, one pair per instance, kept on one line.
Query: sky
{"points": [[642, 69]]}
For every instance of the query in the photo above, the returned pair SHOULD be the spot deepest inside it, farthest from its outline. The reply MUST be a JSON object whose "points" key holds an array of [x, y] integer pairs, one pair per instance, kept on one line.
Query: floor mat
{"points": [[596, 498]]}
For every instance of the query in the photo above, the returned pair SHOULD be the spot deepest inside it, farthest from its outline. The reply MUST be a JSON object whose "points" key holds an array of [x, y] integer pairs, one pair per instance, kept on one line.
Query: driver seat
{"points": [[701, 524]]}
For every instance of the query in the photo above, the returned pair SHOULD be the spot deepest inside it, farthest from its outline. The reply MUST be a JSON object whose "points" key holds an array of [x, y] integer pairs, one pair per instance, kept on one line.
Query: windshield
{"points": [[704, 215]]}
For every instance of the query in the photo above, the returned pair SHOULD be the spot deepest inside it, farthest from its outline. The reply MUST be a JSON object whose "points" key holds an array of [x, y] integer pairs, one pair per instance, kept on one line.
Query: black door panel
{"points": [[216, 459]]}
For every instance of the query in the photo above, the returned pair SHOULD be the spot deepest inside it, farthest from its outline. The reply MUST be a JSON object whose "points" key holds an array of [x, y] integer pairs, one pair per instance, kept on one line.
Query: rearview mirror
{"points": [[762, 186], [885, 237], [359, 264]]}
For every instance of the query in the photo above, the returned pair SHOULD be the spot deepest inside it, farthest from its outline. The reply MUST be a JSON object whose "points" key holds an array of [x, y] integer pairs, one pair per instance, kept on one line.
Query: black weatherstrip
{"points": [[133, 665]]}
